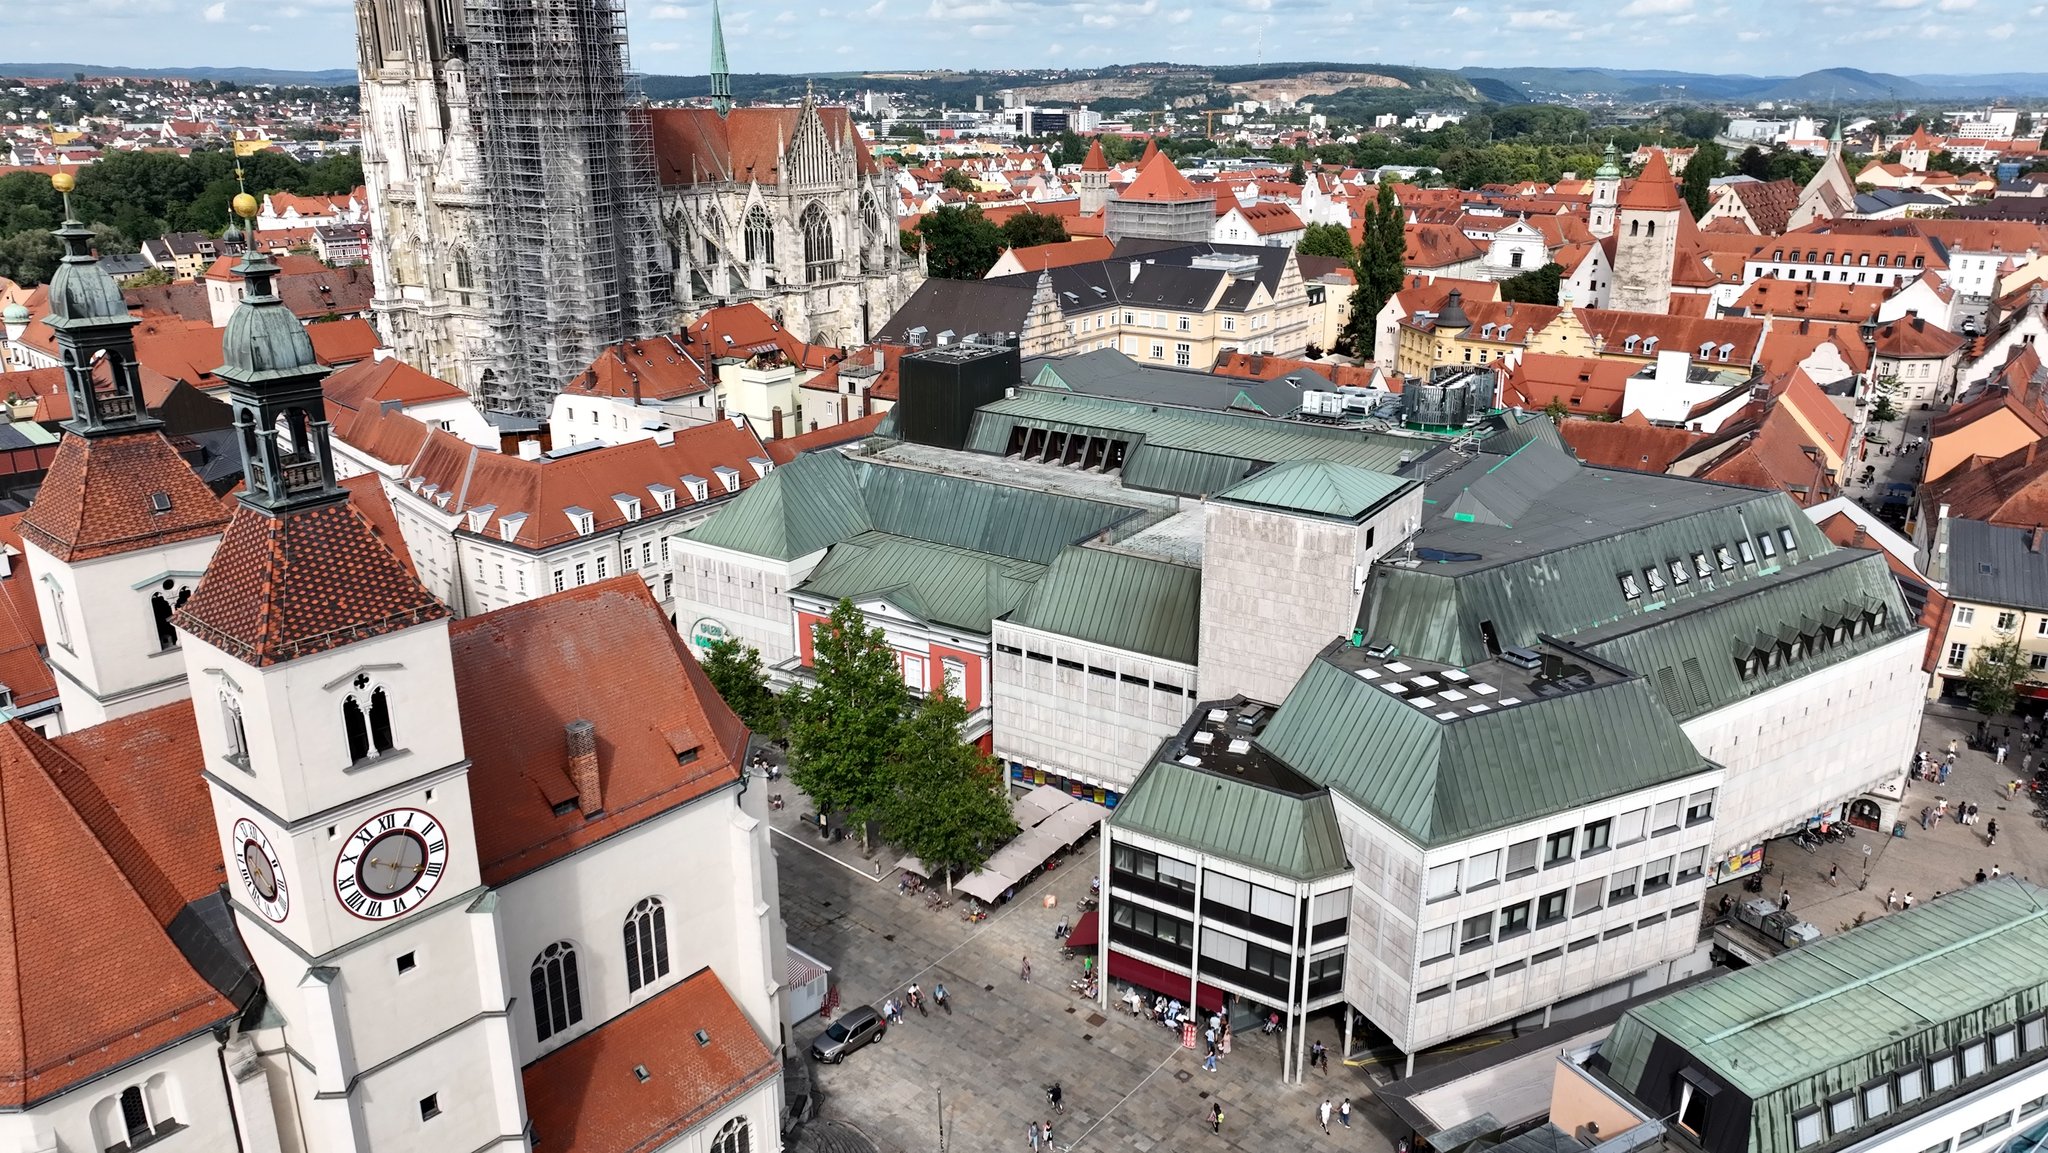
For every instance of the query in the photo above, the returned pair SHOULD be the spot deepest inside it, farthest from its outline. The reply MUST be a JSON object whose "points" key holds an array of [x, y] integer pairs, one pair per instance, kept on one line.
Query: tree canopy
{"points": [[734, 669], [958, 180], [1326, 240], [1029, 229], [1536, 286], [1696, 182], [1994, 676], [946, 802], [1379, 271], [960, 243], [843, 725]]}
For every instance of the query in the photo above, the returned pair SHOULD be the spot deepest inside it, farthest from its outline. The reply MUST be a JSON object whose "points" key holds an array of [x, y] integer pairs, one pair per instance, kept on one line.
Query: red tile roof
{"points": [[22, 668], [1159, 182], [53, 400], [1774, 456], [370, 383], [588, 1097], [1769, 203], [1653, 190], [1788, 344], [1040, 257], [97, 498], [339, 342], [606, 654], [1268, 218], [1095, 161], [185, 299], [2011, 490], [789, 448], [662, 368], [1258, 366], [743, 330], [366, 493], [882, 386], [86, 985], [281, 587], [1912, 338], [697, 145], [149, 768], [1631, 442], [473, 478], [391, 437], [308, 287], [1770, 296], [1435, 246], [1587, 386]]}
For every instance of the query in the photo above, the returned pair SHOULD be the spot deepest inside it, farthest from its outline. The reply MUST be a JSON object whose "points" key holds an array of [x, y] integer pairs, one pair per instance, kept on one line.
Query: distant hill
{"points": [[1828, 84], [325, 78]]}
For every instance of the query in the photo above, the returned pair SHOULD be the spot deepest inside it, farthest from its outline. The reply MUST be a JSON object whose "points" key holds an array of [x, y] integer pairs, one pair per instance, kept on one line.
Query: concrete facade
{"points": [[1070, 722]]}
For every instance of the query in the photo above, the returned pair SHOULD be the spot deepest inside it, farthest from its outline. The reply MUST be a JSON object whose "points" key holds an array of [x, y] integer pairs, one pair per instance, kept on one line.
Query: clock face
{"points": [[391, 864], [262, 872]]}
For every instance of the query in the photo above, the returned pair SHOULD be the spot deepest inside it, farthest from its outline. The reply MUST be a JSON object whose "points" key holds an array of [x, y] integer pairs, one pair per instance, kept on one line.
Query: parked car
{"points": [[859, 1026]]}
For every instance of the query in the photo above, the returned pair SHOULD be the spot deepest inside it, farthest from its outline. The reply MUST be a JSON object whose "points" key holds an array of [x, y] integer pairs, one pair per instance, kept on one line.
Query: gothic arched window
{"points": [[237, 733], [1635, 228], [760, 237], [820, 262], [735, 1136], [162, 604], [464, 275], [1650, 228], [366, 715], [557, 992], [646, 944]]}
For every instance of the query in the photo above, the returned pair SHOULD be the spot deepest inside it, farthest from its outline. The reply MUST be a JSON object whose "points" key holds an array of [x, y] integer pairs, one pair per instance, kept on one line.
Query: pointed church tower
{"points": [[1606, 187], [1094, 179], [122, 526], [721, 75], [325, 701], [1646, 239]]}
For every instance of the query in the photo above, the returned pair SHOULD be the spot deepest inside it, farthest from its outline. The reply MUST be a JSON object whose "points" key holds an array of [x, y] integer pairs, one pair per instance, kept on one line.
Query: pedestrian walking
{"points": [[1834, 872], [1891, 898], [1952, 744], [1048, 1132], [1032, 1132], [1991, 833], [1025, 972], [1982, 876], [1216, 1118], [1909, 900], [1940, 809], [1209, 1062], [1784, 900], [1926, 811], [2000, 758], [1057, 1098], [2027, 763], [1324, 1114], [1994, 869], [1344, 1112], [2012, 787]]}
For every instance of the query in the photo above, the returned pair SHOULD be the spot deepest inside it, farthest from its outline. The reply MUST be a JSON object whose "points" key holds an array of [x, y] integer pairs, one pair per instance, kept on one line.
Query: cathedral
{"points": [[699, 207], [315, 867]]}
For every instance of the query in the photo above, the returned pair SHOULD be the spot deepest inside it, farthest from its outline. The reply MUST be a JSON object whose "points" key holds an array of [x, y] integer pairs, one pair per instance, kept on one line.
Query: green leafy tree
{"points": [[1030, 229], [843, 726], [960, 243], [1297, 174], [1536, 286], [1378, 269], [958, 180], [1754, 162], [906, 239], [735, 671], [1883, 410], [1326, 240], [1556, 410], [946, 801], [29, 258], [1994, 676], [1696, 183]]}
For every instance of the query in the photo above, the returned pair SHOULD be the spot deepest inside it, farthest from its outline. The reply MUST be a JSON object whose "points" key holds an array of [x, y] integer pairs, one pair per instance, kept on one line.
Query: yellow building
{"points": [[1482, 332]]}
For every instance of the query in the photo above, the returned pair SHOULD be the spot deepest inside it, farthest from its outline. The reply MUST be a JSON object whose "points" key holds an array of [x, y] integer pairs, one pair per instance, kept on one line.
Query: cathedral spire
{"points": [[273, 376], [721, 76]]}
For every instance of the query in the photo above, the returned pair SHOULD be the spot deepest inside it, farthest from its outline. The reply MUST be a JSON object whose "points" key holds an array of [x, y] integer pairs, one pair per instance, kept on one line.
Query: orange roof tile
{"points": [[1159, 182], [1258, 366], [370, 383], [2011, 490], [391, 437], [588, 1096], [1787, 345], [602, 653], [340, 342], [1631, 442], [1436, 246], [1585, 385], [281, 587], [1040, 257], [1095, 161], [1652, 190], [1912, 338], [22, 668], [697, 145], [1770, 296], [366, 493], [789, 448], [97, 498], [1775, 456]]}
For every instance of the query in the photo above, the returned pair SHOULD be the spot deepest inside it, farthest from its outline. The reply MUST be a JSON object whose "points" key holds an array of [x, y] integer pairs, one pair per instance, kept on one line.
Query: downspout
{"points": [[227, 1082]]}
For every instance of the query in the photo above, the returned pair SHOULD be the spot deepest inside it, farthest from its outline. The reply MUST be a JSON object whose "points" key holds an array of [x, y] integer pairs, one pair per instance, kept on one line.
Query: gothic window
{"points": [[734, 1137], [557, 992], [819, 261], [135, 1116], [646, 944], [57, 611], [1650, 228], [760, 237], [1635, 228], [238, 735], [366, 714], [463, 275], [162, 604]]}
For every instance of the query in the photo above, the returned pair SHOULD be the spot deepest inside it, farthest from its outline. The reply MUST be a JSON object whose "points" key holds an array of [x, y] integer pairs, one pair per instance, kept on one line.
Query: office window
{"points": [[1699, 807], [1436, 943], [1657, 875], [1521, 857], [1629, 828], [1990, 1125], [1748, 553], [1483, 869], [1443, 881], [1598, 835], [1586, 898], [1514, 919], [1477, 933], [1692, 864], [1806, 1129], [1557, 848], [1842, 1114], [2029, 1108], [1769, 549], [1666, 816], [1621, 886], [1158, 351], [1550, 908], [1877, 1100]]}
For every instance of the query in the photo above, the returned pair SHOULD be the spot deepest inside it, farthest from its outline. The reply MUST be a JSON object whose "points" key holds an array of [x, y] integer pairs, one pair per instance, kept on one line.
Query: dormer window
{"points": [[1649, 345], [729, 477], [664, 497], [1786, 538], [1629, 588], [700, 489], [1654, 579], [581, 519], [1678, 573], [480, 517], [508, 526], [1700, 565], [1726, 558], [1724, 351], [629, 505], [761, 465], [1629, 345]]}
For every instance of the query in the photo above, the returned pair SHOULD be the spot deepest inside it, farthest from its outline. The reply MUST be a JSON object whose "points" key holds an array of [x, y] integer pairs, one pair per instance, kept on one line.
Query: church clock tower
{"points": [[324, 692], [424, 175]]}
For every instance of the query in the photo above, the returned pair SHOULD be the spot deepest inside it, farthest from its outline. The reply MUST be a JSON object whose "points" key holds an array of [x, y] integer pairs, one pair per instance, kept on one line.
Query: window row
{"points": [[1166, 687], [1483, 930], [556, 980], [1937, 1074], [1683, 571], [1158, 926], [1815, 256], [1549, 955], [1566, 845], [1811, 640], [1153, 867]]}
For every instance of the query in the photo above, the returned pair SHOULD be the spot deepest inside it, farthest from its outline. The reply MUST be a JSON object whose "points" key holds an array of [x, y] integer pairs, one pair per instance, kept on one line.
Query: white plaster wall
{"points": [[188, 1092], [747, 595], [1805, 747], [2005, 1097], [105, 653]]}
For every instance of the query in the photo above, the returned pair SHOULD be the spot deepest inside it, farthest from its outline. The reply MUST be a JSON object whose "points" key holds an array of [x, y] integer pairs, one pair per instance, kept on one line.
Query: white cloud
{"points": [[1900, 4], [988, 31], [664, 46], [672, 12], [876, 9], [1464, 15], [1749, 36], [1541, 18], [785, 19], [1956, 5], [2000, 32], [215, 13], [1657, 8]]}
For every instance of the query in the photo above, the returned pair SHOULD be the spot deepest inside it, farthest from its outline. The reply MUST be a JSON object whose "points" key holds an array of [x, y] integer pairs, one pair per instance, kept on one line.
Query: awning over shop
{"points": [[1124, 967], [1083, 935]]}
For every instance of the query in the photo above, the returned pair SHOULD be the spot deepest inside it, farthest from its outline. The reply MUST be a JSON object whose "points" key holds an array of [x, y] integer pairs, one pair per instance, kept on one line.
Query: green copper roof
{"points": [[1830, 1017], [1441, 781], [81, 294], [721, 73], [1610, 164], [937, 583], [264, 340], [1294, 836], [1128, 602], [822, 498], [1318, 487], [1186, 451]]}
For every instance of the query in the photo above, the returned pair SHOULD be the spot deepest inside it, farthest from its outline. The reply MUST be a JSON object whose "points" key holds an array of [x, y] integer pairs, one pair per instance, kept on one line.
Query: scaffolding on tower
{"points": [[570, 193]]}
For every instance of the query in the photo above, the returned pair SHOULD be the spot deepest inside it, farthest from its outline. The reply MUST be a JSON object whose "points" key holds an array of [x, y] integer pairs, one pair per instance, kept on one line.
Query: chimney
{"points": [[881, 361], [2036, 540], [1135, 266], [583, 766], [529, 449]]}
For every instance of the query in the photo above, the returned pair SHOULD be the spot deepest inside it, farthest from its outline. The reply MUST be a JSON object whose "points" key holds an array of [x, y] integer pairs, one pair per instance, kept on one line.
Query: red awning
{"points": [[1083, 934], [1123, 966]]}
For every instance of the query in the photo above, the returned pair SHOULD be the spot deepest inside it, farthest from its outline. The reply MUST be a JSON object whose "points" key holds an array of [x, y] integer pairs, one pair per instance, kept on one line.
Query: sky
{"points": [[1761, 37]]}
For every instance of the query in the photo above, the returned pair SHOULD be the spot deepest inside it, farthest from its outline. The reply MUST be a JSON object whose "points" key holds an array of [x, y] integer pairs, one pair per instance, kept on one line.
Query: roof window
{"points": [[629, 505], [584, 521], [480, 517], [508, 525], [700, 489], [664, 497], [728, 476]]}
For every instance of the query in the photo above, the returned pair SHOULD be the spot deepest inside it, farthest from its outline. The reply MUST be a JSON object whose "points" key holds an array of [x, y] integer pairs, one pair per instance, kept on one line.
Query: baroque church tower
{"points": [[1606, 187], [323, 687], [424, 174]]}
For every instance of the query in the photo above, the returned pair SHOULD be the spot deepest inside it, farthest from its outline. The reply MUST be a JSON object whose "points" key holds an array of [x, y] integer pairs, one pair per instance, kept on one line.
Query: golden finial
{"points": [[245, 206], [63, 182]]}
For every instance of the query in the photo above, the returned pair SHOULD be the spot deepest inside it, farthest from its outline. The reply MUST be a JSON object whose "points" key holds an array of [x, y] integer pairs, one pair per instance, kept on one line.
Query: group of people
{"points": [[913, 998]]}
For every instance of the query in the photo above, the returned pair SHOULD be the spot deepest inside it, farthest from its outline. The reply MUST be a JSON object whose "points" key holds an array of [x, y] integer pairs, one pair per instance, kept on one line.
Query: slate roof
{"points": [[281, 587], [940, 584], [963, 306], [1991, 564], [1319, 488], [1107, 372], [97, 498], [1828, 1017], [1135, 603]]}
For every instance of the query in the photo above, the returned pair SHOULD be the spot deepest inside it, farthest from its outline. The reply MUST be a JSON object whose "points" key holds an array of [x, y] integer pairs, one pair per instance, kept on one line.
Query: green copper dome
{"points": [[81, 292], [264, 339], [16, 313], [1609, 169]]}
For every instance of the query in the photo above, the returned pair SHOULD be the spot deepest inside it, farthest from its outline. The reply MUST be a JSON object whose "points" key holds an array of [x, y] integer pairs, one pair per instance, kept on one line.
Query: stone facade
{"points": [[1645, 242], [1066, 721]]}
